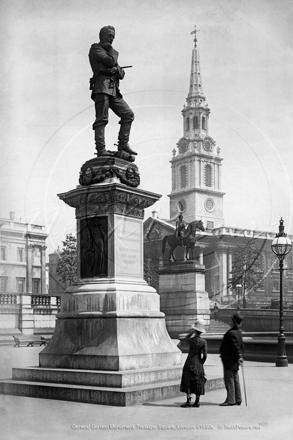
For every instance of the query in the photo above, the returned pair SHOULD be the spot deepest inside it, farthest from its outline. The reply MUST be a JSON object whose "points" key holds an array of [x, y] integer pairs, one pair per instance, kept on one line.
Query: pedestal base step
{"points": [[98, 378], [114, 396]]}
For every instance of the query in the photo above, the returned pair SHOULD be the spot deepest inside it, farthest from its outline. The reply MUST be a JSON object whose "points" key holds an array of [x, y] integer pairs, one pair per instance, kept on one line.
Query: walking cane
{"points": [[242, 365]]}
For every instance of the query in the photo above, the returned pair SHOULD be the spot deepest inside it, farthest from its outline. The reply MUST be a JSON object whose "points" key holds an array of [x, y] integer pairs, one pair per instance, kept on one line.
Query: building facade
{"points": [[24, 301], [197, 193]]}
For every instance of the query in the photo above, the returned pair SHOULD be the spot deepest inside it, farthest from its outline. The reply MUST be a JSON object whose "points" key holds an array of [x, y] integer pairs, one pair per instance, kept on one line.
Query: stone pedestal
{"points": [[110, 344], [110, 319], [183, 296]]}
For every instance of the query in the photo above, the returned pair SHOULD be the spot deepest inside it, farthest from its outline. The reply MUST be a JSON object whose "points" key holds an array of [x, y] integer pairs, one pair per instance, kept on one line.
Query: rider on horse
{"points": [[183, 236], [180, 228]]}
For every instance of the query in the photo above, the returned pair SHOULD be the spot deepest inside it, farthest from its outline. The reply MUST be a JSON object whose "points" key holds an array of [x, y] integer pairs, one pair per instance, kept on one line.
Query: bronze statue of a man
{"points": [[180, 228], [106, 94]]}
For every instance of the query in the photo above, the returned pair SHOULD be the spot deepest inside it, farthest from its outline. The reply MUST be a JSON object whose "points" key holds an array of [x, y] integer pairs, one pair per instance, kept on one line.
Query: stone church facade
{"points": [[196, 168]]}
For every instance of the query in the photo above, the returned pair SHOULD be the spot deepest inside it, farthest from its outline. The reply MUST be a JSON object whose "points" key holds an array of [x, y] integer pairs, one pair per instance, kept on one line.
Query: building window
{"points": [[187, 123], [195, 122], [203, 123], [36, 256], [20, 255], [183, 176], [208, 175], [20, 285], [210, 225], [3, 253], [3, 284], [36, 285]]}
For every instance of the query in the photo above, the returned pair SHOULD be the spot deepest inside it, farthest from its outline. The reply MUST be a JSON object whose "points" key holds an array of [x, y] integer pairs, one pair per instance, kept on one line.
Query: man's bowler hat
{"points": [[237, 319]]}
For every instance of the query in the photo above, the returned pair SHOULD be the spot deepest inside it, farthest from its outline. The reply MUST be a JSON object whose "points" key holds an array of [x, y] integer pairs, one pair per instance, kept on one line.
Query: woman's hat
{"points": [[237, 319], [198, 327]]}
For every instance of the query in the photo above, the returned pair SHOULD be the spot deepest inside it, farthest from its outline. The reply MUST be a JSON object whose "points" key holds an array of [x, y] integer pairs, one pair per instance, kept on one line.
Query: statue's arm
{"points": [[107, 58], [107, 61], [120, 72]]}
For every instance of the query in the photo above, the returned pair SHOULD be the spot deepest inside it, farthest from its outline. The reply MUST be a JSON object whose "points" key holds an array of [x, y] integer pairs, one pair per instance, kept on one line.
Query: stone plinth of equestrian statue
{"points": [[183, 298]]}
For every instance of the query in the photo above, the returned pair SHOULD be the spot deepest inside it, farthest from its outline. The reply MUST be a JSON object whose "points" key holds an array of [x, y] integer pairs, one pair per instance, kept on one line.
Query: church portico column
{"points": [[201, 256], [223, 272], [29, 287], [230, 261], [43, 273]]}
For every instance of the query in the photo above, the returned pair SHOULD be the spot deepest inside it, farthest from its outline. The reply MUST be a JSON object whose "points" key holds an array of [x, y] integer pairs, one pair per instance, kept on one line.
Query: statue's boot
{"points": [[100, 140], [123, 138]]}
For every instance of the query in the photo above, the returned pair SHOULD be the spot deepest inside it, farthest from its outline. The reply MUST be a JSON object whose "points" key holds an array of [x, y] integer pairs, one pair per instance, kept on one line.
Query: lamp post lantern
{"points": [[281, 246]]}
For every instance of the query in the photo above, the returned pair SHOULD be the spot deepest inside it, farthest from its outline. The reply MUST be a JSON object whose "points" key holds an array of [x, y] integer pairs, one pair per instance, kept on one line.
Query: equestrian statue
{"points": [[183, 236]]}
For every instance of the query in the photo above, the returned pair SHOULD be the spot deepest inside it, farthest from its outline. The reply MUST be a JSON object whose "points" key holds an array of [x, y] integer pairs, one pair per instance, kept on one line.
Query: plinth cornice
{"points": [[108, 198]]}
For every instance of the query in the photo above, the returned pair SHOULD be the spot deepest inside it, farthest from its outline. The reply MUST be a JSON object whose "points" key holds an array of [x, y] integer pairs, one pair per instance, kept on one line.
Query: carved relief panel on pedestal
{"points": [[94, 247]]}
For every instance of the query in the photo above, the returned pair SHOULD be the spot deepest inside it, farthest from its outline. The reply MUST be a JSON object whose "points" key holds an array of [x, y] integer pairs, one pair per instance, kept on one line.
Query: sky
{"points": [[46, 113]]}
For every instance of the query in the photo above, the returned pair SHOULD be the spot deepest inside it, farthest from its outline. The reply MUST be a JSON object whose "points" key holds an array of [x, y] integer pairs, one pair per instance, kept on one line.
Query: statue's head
{"points": [[107, 35]]}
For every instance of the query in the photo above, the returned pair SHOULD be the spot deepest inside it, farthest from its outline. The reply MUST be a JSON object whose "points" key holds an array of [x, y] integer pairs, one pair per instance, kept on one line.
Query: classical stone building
{"points": [[24, 301], [196, 168]]}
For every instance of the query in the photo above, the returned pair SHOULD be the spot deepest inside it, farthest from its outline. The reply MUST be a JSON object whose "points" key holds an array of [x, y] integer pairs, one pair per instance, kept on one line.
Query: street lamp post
{"points": [[244, 279], [281, 246]]}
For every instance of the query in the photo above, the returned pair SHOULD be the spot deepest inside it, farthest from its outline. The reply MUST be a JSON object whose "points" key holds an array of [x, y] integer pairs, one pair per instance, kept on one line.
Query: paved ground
{"points": [[269, 414]]}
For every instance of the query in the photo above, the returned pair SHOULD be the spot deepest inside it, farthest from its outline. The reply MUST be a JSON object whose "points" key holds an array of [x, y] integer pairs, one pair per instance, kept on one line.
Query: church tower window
{"points": [[195, 122], [183, 176], [208, 175], [203, 122], [187, 123]]}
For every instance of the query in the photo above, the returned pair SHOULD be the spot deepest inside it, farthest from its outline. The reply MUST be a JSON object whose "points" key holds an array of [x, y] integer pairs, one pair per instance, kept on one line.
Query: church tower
{"points": [[196, 166]]}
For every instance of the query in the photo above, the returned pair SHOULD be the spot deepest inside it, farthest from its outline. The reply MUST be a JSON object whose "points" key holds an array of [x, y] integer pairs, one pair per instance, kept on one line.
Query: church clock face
{"points": [[209, 205], [183, 145], [207, 145]]}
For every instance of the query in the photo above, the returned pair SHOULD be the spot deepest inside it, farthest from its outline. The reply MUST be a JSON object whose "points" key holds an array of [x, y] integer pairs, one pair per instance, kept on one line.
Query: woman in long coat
{"points": [[193, 378]]}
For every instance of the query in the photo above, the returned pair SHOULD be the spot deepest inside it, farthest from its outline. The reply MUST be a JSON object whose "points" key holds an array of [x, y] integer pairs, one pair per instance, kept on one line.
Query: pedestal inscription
{"points": [[128, 247]]}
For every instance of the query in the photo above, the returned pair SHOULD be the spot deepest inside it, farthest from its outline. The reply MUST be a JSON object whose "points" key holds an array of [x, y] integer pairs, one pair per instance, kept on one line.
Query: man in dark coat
{"points": [[231, 350], [105, 92]]}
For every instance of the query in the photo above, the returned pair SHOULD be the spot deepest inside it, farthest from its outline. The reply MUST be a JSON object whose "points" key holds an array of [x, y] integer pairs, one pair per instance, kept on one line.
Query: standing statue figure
{"points": [[105, 92]]}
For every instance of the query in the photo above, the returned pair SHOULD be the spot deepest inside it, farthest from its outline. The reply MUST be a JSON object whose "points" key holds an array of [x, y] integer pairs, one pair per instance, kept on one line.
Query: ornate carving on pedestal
{"points": [[109, 198], [99, 169]]}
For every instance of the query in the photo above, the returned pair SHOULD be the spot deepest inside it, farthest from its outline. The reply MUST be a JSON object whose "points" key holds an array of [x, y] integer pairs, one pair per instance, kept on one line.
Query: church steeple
{"points": [[195, 87], [196, 111], [196, 168]]}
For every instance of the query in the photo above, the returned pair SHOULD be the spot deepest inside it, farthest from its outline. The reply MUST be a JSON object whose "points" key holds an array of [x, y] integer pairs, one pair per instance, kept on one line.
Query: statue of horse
{"points": [[188, 240]]}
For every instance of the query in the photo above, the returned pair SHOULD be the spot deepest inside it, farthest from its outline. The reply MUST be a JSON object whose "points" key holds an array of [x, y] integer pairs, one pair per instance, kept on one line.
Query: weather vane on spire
{"points": [[195, 32]]}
